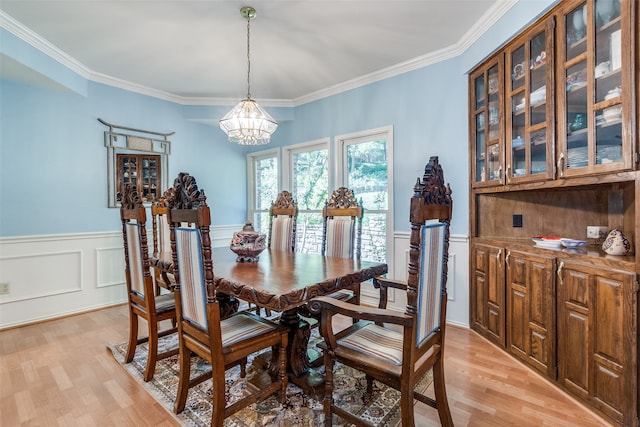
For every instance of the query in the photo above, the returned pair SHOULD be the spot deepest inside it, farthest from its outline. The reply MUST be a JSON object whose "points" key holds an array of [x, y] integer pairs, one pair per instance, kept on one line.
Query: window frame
{"points": [[342, 142], [252, 159]]}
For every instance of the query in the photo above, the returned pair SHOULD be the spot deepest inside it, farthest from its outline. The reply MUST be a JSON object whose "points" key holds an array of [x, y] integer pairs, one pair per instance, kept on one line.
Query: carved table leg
{"points": [[297, 358]]}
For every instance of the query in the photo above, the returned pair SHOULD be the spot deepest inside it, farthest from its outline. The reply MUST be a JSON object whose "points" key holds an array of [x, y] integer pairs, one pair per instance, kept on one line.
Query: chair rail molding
{"points": [[51, 276]]}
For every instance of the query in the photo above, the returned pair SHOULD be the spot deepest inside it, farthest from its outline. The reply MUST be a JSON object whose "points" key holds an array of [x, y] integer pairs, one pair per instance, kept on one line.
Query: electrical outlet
{"points": [[4, 288], [597, 232], [517, 220]]}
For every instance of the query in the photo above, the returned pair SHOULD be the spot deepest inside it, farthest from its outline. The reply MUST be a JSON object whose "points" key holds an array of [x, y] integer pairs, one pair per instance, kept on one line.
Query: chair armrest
{"points": [[328, 307], [383, 283], [380, 281]]}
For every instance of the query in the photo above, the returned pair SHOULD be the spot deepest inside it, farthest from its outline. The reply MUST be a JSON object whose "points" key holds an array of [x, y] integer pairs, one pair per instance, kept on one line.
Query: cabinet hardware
{"points": [[508, 174], [560, 165], [500, 175], [506, 259], [499, 256], [559, 272]]}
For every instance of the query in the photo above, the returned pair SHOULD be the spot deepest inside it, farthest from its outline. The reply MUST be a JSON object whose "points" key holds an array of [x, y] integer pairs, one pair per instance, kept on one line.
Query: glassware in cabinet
{"points": [[486, 124], [529, 128], [596, 73]]}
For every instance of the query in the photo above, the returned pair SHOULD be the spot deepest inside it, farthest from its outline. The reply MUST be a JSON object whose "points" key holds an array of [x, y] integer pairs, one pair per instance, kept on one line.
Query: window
{"points": [[264, 186], [307, 175], [366, 169]]}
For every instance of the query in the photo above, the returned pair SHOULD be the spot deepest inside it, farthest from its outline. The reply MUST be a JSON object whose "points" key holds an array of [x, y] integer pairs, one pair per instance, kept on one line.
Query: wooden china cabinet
{"points": [[141, 170], [561, 155]]}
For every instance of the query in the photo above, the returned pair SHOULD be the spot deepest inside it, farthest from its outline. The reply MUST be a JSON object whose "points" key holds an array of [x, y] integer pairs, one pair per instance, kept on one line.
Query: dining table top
{"points": [[282, 280]]}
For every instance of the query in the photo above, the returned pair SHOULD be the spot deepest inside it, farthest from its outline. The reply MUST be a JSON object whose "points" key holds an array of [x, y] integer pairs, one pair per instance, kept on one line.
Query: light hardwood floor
{"points": [[60, 373]]}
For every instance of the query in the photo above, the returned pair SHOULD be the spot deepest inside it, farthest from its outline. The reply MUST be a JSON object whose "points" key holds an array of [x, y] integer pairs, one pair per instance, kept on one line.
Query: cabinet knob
{"points": [[559, 272], [560, 165]]}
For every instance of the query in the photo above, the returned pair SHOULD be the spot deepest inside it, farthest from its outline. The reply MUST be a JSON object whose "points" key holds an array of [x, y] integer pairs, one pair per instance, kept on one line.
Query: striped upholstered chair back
{"points": [[160, 223], [137, 264], [398, 349], [223, 341], [143, 300], [342, 225], [283, 216]]}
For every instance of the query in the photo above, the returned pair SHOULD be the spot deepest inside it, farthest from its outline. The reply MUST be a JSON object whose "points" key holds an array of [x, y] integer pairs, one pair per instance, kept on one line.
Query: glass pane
{"points": [[480, 147], [576, 39], [266, 181], [518, 156], [374, 237], [537, 80], [538, 145], [367, 173], [608, 51], [576, 116], [519, 65], [310, 179], [609, 135], [309, 232], [261, 222], [480, 92]]}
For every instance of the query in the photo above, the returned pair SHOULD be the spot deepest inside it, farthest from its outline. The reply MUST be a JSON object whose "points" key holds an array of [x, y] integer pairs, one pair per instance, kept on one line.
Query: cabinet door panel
{"points": [[487, 292], [574, 369], [531, 310], [597, 355]]}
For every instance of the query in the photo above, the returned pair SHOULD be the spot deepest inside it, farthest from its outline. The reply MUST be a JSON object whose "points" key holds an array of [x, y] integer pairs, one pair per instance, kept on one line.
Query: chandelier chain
{"points": [[248, 56]]}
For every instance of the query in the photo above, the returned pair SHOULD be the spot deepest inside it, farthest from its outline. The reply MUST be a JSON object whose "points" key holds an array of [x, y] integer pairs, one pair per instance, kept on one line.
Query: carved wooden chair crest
{"points": [[400, 356], [143, 301], [283, 216], [201, 329]]}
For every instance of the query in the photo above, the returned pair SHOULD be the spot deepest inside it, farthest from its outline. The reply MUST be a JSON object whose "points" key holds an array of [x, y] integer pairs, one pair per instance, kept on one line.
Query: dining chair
{"points": [[201, 330], [161, 242], [342, 234], [283, 216], [396, 348], [143, 301]]}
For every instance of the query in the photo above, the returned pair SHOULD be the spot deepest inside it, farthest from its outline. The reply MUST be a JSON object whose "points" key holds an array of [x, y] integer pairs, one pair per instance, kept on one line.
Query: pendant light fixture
{"points": [[247, 123]]}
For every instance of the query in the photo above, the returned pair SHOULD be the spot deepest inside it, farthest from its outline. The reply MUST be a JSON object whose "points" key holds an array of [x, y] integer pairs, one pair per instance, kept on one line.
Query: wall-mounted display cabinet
{"points": [[560, 155], [143, 172]]}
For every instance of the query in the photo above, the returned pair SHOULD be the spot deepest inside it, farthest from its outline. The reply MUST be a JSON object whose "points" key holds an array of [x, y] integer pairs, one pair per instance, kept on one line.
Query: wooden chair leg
{"points": [[133, 336], [328, 389], [284, 379], [407, 403], [441, 394], [218, 390], [183, 379], [152, 354]]}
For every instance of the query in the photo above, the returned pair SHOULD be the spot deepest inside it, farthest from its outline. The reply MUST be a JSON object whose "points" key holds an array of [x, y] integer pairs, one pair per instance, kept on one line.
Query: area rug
{"points": [[381, 408]]}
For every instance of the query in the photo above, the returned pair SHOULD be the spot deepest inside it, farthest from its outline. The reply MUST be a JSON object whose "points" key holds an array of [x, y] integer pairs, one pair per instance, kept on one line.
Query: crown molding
{"points": [[484, 23]]}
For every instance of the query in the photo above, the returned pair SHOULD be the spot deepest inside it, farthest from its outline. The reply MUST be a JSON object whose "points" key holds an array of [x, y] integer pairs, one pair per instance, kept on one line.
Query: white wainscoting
{"points": [[57, 275], [457, 280]]}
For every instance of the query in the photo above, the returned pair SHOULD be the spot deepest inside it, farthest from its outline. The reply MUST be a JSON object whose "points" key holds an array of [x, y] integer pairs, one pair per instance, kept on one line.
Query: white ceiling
{"points": [[196, 49]]}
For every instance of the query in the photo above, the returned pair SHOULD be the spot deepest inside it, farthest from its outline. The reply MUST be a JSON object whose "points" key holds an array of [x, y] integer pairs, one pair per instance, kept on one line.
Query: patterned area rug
{"points": [[381, 407]]}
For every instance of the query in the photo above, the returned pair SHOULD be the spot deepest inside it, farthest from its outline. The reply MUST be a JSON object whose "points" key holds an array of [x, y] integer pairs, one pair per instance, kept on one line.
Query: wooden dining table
{"points": [[283, 281]]}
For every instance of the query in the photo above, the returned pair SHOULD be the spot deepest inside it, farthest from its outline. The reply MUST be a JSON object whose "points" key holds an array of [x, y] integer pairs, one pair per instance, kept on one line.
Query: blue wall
{"points": [[53, 176]]}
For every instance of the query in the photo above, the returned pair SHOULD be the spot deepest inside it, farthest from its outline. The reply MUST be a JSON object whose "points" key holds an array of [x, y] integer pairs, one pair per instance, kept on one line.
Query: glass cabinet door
{"points": [[530, 116], [142, 171], [596, 73], [486, 124]]}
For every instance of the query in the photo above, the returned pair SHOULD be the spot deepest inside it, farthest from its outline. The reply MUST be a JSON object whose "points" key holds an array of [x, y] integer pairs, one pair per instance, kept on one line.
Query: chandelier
{"points": [[247, 123]]}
